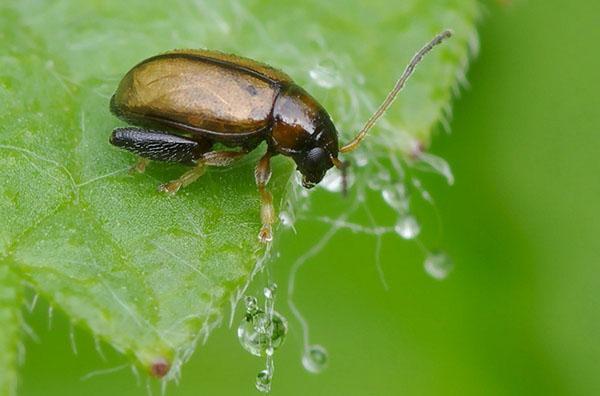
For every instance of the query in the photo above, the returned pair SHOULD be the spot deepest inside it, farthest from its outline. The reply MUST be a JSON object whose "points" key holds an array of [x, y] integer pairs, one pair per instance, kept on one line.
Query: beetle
{"points": [[183, 102]]}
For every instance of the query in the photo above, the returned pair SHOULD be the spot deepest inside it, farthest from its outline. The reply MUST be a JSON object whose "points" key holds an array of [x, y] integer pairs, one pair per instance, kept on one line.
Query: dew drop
{"points": [[437, 165], [251, 305], [315, 359], [407, 227], [263, 381], [255, 329], [269, 292], [286, 219], [438, 265], [395, 197], [334, 182]]}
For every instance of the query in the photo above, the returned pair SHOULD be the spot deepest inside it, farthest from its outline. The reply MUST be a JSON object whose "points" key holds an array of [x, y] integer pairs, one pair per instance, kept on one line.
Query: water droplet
{"points": [[255, 329], [251, 305], [436, 164], [286, 219], [333, 181], [426, 196], [269, 292], [395, 197], [438, 265], [263, 381], [407, 227], [315, 359], [269, 351]]}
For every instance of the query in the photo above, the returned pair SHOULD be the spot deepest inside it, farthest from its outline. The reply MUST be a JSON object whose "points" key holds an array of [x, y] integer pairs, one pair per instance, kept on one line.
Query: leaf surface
{"points": [[151, 274]]}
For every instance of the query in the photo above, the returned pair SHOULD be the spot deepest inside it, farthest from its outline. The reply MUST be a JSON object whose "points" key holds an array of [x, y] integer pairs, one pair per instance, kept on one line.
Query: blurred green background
{"points": [[520, 313]]}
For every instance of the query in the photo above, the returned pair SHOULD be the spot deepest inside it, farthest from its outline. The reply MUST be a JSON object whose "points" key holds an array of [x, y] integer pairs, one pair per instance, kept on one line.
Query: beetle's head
{"points": [[317, 157], [303, 130], [313, 164]]}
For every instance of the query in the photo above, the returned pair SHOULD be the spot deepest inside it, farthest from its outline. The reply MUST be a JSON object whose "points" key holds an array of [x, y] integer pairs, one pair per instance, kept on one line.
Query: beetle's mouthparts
{"points": [[306, 183]]}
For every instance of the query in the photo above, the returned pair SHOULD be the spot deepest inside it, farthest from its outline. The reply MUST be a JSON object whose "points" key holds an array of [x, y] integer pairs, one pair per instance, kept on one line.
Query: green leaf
{"points": [[10, 322], [150, 274]]}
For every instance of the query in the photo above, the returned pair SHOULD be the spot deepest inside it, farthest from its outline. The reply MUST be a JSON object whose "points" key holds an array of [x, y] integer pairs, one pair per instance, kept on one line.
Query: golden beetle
{"points": [[183, 102]]}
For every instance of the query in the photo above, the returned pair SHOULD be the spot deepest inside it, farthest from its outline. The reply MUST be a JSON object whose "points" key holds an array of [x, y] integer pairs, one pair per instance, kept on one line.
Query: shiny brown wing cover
{"points": [[200, 91]]}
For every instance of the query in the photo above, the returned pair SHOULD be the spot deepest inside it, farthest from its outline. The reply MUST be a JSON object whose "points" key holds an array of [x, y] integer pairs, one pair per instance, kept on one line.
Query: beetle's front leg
{"points": [[262, 175], [212, 158]]}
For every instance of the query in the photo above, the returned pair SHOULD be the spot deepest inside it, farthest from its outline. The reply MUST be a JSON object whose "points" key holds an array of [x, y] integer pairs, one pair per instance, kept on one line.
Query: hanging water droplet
{"points": [[436, 164], [395, 197], [251, 305], [438, 265], [407, 227], [269, 291], [255, 329], [263, 381], [389, 196], [315, 359], [426, 196], [286, 219], [424, 193], [334, 182]]}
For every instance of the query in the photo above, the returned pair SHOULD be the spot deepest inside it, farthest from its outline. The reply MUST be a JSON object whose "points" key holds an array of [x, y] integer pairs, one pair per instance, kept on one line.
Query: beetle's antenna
{"points": [[394, 92]]}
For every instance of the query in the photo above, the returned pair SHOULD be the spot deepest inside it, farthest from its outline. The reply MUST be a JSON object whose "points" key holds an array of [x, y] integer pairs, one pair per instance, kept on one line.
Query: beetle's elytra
{"points": [[183, 102]]}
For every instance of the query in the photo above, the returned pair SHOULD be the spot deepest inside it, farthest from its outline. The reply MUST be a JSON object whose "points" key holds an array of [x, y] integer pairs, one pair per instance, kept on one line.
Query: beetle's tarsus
{"points": [[265, 235], [170, 188], [211, 158], [139, 166], [184, 180], [262, 175]]}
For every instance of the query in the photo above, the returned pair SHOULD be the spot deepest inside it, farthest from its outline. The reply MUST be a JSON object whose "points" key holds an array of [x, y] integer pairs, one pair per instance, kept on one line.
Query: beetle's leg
{"points": [[140, 165], [262, 175], [158, 145], [221, 158], [184, 180], [212, 158]]}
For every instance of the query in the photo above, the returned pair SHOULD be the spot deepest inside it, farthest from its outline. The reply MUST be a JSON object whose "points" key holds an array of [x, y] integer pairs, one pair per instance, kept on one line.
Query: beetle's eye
{"points": [[316, 156]]}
